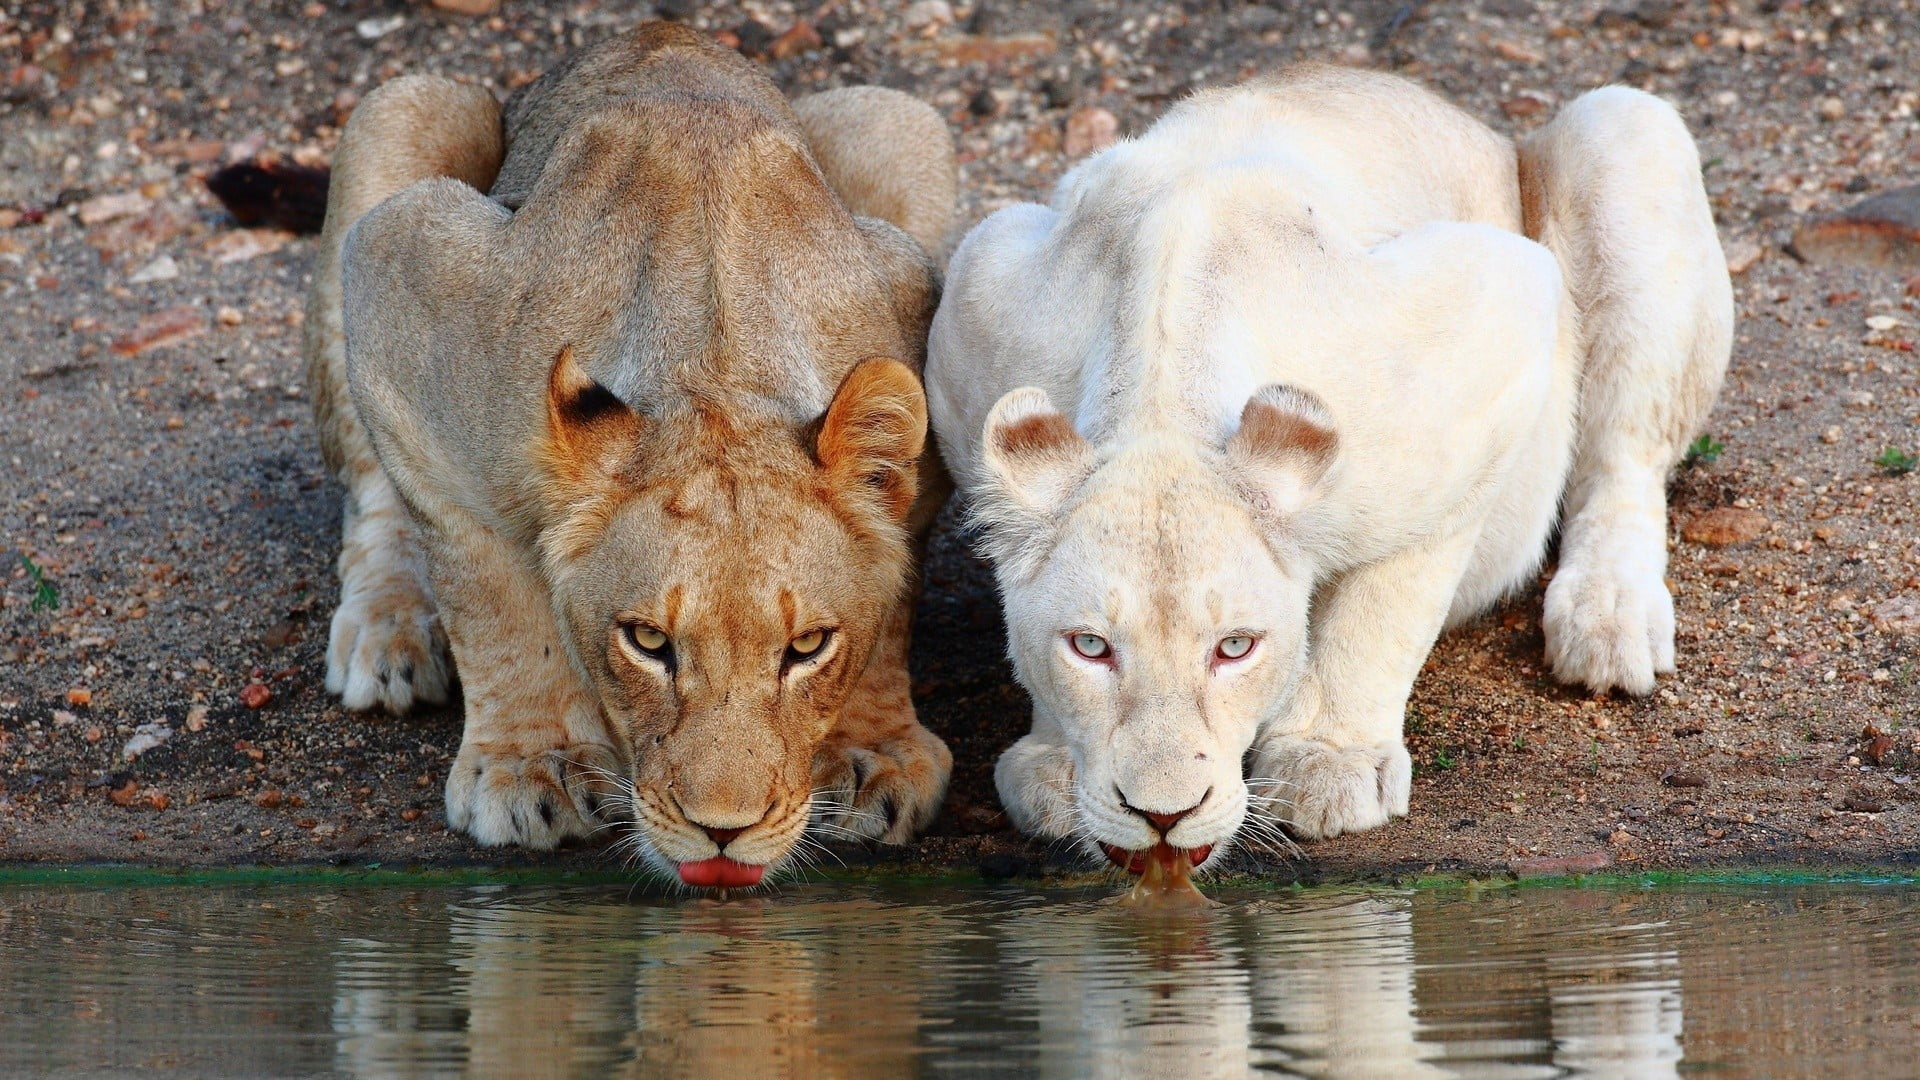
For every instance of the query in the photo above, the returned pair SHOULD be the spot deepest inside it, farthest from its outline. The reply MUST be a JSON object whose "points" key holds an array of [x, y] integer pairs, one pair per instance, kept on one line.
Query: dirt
{"points": [[162, 476]]}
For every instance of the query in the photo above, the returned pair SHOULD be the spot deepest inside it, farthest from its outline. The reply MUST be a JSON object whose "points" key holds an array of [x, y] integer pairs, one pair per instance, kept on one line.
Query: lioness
{"points": [[641, 429], [1269, 396]]}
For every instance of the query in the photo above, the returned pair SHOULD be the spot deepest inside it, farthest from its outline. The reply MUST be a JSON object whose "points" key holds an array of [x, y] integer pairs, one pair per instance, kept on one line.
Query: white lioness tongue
{"points": [[1166, 883]]}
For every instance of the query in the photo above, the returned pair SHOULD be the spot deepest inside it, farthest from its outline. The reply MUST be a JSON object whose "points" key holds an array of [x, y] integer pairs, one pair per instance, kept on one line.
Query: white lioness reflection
{"points": [[861, 988]]}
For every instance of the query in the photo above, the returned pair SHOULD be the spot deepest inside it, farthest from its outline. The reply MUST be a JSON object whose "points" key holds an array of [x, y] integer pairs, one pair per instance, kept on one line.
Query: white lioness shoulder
{"points": [[1269, 396]]}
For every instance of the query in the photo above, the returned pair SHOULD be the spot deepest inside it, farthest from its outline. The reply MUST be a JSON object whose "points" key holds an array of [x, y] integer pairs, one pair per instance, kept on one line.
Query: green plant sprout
{"points": [[1703, 451], [45, 596], [1897, 461]]}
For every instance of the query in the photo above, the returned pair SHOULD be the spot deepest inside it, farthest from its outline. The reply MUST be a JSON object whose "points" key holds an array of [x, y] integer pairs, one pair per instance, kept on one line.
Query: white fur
{"points": [[1351, 255]]}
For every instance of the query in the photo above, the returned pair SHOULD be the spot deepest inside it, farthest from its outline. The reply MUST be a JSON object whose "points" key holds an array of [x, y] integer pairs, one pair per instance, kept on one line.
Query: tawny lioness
{"points": [[642, 430], [1270, 395]]}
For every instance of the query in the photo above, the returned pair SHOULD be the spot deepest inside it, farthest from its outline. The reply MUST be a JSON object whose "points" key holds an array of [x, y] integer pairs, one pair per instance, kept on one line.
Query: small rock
{"points": [[927, 13], [1724, 526], [1882, 322], [9, 217], [63, 718], [1832, 108], [125, 793], [80, 697], [255, 696], [145, 738], [973, 49], [160, 269], [755, 37], [468, 7], [1860, 802], [1518, 53], [1898, 615], [1741, 255], [1878, 233], [228, 316], [270, 799], [162, 328], [238, 245], [1089, 130], [1684, 780], [197, 718], [102, 208], [374, 29], [1523, 105], [984, 103]]}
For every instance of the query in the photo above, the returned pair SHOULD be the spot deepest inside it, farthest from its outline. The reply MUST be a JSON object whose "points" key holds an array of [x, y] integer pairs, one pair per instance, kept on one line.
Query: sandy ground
{"points": [[161, 472]]}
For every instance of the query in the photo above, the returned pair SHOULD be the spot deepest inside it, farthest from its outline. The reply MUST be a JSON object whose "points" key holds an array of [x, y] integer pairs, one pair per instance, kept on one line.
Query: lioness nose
{"points": [[1164, 822], [721, 837]]}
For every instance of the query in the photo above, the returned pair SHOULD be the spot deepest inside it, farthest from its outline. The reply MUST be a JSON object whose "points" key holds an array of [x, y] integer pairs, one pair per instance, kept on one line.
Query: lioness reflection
{"points": [[1011, 985]]}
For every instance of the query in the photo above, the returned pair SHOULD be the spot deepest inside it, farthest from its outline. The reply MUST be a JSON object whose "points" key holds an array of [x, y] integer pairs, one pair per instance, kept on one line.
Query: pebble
{"points": [[1742, 255], [1880, 233], [468, 7], [926, 13], [1832, 108], [197, 718], [374, 29], [145, 738], [239, 245], [255, 696], [104, 208], [160, 269], [80, 697], [1725, 526], [162, 328], [1089, 130], [1898, 615]]}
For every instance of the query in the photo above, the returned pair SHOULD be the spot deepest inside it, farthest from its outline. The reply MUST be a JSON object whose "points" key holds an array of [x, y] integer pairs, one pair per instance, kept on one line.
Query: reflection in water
{"points": [[870, 982]]}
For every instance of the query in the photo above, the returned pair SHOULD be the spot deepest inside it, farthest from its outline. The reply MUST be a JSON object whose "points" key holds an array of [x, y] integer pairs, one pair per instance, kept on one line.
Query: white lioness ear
{"points": [[1033, 461], [590, 435], [872, 435], [1283, 449]]}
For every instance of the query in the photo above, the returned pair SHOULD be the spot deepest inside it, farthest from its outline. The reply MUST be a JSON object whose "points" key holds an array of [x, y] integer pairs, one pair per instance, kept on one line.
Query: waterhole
{"points": [[890, 980]]}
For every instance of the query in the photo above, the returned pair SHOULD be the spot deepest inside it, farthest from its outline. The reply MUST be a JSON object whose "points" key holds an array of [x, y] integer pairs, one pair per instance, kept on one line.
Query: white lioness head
{"points": [[1156, 610]]}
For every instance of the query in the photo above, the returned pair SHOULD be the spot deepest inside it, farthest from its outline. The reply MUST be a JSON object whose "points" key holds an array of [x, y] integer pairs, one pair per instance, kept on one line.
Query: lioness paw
{"points": [[501, 793], [1320, 790], [387, 649], [888, 791], [1609, 627], [1036, 784]]}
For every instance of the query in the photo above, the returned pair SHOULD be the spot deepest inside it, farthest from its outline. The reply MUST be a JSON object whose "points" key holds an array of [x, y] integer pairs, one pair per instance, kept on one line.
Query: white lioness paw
{"points": [[1609, 627], [387, 650], [536, 797], [1320, 790], [886, 792], [1035, 780]]}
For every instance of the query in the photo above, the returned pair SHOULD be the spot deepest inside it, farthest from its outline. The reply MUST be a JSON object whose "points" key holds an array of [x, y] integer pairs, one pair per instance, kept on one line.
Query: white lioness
{"points": [[642, 431], [1269, 396]]}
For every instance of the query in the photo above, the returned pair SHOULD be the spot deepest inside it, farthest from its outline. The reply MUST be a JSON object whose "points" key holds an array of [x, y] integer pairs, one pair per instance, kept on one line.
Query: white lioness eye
{"points": [[647, 639], [1091, 646], [808, 643], [1235, 647]]}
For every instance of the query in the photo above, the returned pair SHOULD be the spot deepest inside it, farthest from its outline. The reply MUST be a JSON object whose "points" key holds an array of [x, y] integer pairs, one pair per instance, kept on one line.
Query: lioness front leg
{"points": [[1612, 186], [386, 647], [1333, 762], [883, 773], [537, 764]]}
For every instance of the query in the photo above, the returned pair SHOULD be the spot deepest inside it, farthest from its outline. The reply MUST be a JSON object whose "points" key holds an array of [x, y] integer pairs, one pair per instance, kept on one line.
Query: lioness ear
{"points": [[1033, 456], [589, 433], [1284, 447], [873, 433]]}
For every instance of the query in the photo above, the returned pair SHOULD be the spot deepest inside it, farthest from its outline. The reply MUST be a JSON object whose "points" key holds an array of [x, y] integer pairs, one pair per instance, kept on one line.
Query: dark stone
{"points": [[1880, 233], [755, 37]]}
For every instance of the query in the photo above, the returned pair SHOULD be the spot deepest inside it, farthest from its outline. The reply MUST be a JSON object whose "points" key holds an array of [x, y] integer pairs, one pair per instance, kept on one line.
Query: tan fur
{"points": [[664, 378]]}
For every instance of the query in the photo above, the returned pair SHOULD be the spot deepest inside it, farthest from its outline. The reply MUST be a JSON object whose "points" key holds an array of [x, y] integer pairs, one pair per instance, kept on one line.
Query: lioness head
{"points": [[721, 580], [1156, 607]]}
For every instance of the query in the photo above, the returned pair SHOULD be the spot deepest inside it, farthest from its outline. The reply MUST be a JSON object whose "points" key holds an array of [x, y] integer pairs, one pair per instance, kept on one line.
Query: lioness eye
{"points": [[1235, 647], [808, 643], [1091, 646], [647, 639]]}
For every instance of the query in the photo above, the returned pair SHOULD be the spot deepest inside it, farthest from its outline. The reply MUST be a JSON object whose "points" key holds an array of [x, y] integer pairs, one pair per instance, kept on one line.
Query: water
{"points": [[888, 981]]}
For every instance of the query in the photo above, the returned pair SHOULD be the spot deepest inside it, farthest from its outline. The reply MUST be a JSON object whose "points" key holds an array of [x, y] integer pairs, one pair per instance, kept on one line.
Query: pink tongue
{"points": [[720, 872]]}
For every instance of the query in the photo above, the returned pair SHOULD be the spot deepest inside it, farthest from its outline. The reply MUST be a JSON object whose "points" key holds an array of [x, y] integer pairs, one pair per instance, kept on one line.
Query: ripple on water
{"points": [[991, 981]]}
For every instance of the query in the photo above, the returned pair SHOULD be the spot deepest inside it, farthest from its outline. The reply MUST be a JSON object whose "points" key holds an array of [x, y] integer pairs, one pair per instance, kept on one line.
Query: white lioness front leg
{"points": [[1612, 186], [536, 759], [1035, 779], [1333, 761]]}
